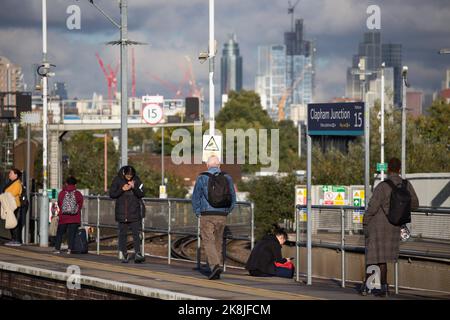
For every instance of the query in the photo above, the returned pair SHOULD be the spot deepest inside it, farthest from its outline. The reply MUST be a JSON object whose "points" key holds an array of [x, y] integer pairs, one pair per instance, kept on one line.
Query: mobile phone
{"points": [[292, 258]]}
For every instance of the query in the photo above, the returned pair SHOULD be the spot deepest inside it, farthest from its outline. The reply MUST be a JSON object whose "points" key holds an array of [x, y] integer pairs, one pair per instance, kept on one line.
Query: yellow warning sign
{"points": [[339, 197], [212, 145], [356, 194], [303, 216]]}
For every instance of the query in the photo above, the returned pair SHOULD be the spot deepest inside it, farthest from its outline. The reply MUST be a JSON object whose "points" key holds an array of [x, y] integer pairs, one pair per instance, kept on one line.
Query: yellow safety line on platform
{"points": [[208, 284]]}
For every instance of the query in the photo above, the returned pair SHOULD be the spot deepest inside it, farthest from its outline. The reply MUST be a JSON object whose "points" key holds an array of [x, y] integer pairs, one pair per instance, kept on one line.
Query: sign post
{"points": [[330, 119], [153, 113]]}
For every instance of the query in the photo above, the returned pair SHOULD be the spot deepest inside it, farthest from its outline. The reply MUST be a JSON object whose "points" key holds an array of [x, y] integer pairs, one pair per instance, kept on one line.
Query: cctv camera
{"points": [[203, 56]]}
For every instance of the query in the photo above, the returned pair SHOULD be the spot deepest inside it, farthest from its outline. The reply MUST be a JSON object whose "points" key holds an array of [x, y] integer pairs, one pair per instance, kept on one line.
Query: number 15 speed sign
{"points": [[152, 113]]}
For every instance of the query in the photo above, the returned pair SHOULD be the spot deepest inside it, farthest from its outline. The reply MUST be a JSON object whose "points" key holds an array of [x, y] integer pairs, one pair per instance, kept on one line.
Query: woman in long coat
{"points": [[382, 239]]}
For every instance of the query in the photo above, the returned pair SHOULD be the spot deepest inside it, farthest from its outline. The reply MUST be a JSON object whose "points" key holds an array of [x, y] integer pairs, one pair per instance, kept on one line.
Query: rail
{"points": [[340, 228], [171, 216]]}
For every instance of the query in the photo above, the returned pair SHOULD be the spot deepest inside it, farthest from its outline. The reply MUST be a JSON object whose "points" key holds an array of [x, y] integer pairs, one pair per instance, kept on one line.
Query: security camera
{"points": [[203, 56]]}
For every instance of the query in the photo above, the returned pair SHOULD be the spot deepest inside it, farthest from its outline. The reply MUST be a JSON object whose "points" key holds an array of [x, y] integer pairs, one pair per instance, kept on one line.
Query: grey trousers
{"points": [[211, 231]]}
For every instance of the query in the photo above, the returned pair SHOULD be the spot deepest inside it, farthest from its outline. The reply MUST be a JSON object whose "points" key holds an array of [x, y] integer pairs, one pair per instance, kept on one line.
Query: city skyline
{"points": [[255, 23]]}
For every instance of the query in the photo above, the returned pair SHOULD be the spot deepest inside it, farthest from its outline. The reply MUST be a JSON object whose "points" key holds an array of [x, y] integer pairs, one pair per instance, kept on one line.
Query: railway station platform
{"points": [[32, 272]]}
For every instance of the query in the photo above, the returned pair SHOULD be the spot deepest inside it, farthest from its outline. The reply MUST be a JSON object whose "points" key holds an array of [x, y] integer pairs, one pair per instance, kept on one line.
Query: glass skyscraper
{"points": [[375, 53], [231, 67], [392, 56], [299, 67], [271, 78], [286, 73]]}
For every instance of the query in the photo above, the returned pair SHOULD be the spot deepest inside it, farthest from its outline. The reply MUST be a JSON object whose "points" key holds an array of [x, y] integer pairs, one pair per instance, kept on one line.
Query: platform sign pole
{"points": [[199, 245], [308, 210], [331, 119], [169, 234]]}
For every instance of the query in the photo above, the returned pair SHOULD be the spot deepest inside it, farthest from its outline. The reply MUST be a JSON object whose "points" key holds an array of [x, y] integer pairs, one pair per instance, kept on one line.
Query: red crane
{"points": [[189, 76], [110, 77], [178, 92]]}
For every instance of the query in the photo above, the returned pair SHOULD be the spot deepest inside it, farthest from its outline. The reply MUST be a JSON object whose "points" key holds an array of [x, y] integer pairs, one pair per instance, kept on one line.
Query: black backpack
{"points": [[80, 243], [219, 194], [400, 204]]}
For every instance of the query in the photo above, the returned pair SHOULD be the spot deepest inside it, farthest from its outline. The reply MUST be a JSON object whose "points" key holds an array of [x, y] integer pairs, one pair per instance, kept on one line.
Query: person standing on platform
{"points": [[382, 238], [213, 199], [128, 190], [14, 187], [70, 203]]}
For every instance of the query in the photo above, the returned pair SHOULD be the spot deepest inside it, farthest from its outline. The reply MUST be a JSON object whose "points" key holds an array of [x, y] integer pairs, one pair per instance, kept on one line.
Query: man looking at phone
{"points": [[266, 260]]}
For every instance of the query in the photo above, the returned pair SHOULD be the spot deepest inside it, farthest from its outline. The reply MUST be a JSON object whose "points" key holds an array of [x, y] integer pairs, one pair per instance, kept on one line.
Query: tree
{"points": [[86, 161], [273, 199], [152, 181]]}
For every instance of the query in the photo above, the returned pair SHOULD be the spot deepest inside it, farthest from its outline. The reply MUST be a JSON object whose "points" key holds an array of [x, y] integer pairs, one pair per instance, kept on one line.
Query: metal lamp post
{"points": [[210, 55], [43, 215], [124, 42]]}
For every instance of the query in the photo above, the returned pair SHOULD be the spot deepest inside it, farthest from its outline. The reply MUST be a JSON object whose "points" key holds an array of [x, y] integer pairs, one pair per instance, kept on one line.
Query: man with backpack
{"points": [[212, 200], [70, 202], [388, 211]]}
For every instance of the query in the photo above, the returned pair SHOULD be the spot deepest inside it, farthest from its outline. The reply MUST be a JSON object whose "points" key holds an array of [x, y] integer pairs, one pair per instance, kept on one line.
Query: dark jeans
{"points": [[123, 232], [16, 233], [279, 272], [71, 229]]}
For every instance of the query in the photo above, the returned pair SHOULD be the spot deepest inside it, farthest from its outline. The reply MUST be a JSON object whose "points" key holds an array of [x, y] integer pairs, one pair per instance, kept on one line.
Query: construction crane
{"points": [[286, 94], [110, 77], [291, 10], [178, 91], [189, 75]]}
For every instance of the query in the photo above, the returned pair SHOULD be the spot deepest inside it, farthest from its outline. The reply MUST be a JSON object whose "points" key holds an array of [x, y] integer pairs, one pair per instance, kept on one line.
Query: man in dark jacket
{"points": [[213, 219], [266, 253], [128, 190], [382, 239]]}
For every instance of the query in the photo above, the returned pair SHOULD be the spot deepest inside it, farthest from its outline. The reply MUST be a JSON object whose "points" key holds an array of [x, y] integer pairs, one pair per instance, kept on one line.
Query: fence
{"points": [[340, 227], [166, 216]]}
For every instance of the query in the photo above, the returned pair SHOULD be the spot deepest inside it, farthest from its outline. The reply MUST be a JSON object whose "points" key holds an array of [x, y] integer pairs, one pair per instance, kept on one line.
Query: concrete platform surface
{"points": [[156, 279]]}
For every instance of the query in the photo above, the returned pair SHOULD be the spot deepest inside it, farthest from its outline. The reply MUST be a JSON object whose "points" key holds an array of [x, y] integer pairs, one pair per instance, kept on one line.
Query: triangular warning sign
{"points": [[356, 194], [339, 197], [211, 145]]}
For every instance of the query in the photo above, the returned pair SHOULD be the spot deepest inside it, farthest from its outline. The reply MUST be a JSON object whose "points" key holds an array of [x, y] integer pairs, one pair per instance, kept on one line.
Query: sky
{"points": [[174, 29]]}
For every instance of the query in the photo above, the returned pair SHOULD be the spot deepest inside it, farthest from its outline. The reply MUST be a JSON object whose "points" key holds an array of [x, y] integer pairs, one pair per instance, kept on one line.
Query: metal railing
{"points": [[341, 228], [170, 216]]}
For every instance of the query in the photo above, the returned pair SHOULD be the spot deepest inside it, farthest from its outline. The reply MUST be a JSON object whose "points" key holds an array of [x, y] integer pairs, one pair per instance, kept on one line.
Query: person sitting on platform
{"points": [[266, 260]]}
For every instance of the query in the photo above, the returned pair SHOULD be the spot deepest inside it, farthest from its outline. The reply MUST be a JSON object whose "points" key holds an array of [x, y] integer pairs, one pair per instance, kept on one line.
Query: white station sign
{"points": [[152, 111]]}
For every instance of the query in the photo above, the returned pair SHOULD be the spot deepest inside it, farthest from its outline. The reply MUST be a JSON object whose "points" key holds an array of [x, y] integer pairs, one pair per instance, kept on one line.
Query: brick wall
{"points": [[22, 286]]}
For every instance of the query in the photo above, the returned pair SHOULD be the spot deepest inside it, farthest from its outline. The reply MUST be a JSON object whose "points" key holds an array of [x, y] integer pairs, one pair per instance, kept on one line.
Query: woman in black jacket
{"points": [[266, 253], [128, 190]]}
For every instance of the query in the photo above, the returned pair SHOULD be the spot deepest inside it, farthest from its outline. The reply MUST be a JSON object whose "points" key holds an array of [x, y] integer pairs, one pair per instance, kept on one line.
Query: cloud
{"points": [[176, 28]]}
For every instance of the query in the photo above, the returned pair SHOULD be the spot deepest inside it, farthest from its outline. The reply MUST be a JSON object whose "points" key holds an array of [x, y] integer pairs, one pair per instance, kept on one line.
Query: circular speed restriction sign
{"points": [[152, 113]]}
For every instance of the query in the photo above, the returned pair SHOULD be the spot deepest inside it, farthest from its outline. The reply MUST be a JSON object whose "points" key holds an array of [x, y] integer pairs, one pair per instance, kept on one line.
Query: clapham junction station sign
{"points": [[336, 119]]}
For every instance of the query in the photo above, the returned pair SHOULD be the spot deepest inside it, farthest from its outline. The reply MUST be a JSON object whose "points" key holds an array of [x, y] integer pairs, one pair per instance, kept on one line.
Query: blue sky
{"points": [[175, 29]]}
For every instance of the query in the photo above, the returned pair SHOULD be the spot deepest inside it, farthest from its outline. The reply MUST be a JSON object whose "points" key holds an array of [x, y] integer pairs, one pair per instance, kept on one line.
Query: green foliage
{"points": [[152, 181], [273, 199], [244, 111], [86, 161]]}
